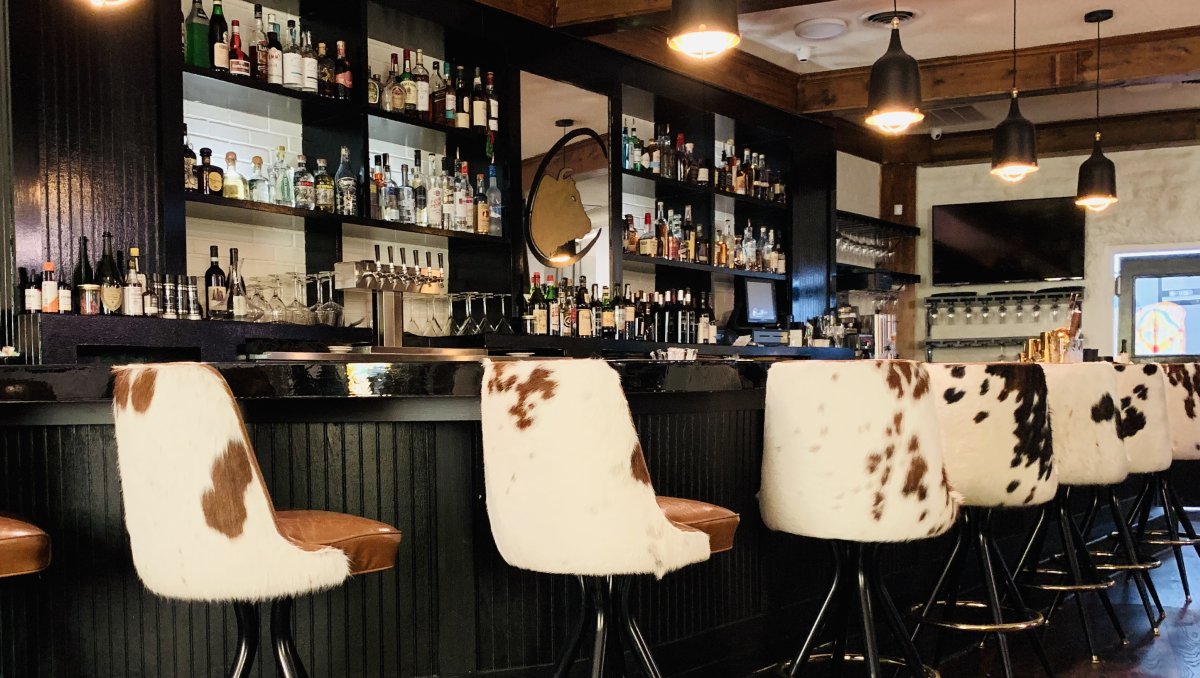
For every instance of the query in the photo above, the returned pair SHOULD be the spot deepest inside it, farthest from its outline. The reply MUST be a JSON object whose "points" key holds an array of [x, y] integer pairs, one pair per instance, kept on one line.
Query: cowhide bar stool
{"points": [[1182, 385], [568, 492], [201, 523], [852, 454], [1082, 400], [998, 453]]}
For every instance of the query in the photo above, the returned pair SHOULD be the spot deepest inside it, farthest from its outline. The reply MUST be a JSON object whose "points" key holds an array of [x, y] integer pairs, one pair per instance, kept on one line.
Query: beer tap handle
{"points": [[441, 261], [391, 259], [403, 258], [377, 259], [428, 259], [416, 258]]}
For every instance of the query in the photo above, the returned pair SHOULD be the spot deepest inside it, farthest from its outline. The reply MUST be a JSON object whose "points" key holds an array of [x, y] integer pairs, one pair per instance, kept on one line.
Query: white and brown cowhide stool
{"points": [[852, 454], [569, 492], [1088, 453], [1181, 402], [998, 452], [201, 523]]}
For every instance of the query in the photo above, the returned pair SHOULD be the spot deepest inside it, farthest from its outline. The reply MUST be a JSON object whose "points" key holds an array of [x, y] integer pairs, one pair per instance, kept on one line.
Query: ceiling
{"points": [[543, 101]]}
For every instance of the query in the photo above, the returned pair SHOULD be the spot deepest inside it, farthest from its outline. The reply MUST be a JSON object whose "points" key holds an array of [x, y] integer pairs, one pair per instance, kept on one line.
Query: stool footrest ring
{"points": [[1107, 561], [1162, 538], [930, 672], [1058, 585], [1022, 620]]}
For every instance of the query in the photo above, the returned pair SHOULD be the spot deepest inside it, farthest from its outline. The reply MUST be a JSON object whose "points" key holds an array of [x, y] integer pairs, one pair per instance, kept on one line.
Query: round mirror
{"points": [[560, 229]]}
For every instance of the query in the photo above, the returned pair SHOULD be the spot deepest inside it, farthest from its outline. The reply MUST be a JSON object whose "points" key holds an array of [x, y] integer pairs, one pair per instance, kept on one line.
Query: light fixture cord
{"points": [[1014, 54], [1098, 77]]}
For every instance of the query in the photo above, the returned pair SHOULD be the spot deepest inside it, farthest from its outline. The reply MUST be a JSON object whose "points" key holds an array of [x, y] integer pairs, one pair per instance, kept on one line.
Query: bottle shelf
{"points": [[461, 133], [897, 277], [975, 342], [670, 263], [250, 83], [220, 208], [672, 185], [849, 223], [749, 200]]}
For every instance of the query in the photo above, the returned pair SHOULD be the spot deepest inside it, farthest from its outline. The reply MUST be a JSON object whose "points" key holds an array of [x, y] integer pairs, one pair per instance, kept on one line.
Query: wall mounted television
{"points": [[1008, 241]]}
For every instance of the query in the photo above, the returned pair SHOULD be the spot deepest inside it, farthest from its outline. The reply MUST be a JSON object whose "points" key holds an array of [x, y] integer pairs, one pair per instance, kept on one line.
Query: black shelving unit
{"points": [[692, 266]]}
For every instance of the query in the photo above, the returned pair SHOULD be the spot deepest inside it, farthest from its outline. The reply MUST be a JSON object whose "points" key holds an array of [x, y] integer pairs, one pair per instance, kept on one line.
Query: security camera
{"points": [[804, 53], [935, 133]]}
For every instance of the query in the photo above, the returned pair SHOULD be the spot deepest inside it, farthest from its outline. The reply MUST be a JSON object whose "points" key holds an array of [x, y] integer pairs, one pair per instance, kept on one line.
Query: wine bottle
{"points": [[215, 282], [109, 278], [235, 290], [83, 274]]}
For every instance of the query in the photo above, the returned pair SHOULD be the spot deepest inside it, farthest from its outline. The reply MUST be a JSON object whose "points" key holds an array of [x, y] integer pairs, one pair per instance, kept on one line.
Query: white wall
{"points": [[1158, 209], [858, 182]]}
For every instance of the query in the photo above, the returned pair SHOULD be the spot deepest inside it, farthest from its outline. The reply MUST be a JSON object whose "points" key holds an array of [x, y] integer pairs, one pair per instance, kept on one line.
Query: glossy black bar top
{"points": [[413, 379]]}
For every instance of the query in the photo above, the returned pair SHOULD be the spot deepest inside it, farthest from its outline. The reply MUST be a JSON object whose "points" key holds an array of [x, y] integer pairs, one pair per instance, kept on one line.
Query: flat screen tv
{"points": [[1008, 241]]}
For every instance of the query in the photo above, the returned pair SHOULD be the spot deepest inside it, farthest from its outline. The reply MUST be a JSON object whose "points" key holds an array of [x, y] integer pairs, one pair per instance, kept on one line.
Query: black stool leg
{"points": [[1064, 532], [1141, 578], [247, 639], [600, 649], [1085, 559], [575, 640], [831, 599], [980, 532], [1015, 592], [842, 610], [956, 552], [631, 634], [952, 590], [1181, 511], [870, 641], [895, 623], [287, 660], [1142, 498], [1171, 517]]}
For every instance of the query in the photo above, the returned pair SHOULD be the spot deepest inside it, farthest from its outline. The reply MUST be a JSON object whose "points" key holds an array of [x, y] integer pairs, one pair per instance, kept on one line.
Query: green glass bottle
{"points": [[198, 52]]}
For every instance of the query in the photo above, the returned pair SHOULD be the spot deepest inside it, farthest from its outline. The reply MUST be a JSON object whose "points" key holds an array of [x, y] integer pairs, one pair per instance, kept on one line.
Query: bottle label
{"points": [[372, 93], [410, 93], [305, 195], [218, 302], [293, 70], [345, 79], [309, 68], [239, 67], [111, 297], [463, 118], [451, 105], [261, 61], [132, 300], [584, 323], [479, 112], [608, 319], [555, 318], [150, 305], [275, 66], [422, 96], [482, 217], [216, 182], [462, 206], [220, 55], [33, 300], [540, 321], [347, 196], [64, 300], [493, 110], [49, 300], [619, 317], [434, 196], [324, 195], [189, 174], [239, 306]]}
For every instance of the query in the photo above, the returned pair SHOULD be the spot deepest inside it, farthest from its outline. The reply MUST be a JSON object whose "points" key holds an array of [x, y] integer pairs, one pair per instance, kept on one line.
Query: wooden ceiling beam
{"points": [[540, 11], [1161, 56], [597, 17]]}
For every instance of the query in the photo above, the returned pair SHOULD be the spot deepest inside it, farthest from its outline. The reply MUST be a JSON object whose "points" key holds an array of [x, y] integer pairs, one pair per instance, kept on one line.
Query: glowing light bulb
{"points": [[1015, 172], [704, 44], [894, 122], [1096, 203]]}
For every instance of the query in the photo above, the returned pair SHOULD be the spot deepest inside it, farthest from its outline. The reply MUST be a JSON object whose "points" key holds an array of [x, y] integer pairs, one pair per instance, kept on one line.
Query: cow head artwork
{"points": [[554, 210]]}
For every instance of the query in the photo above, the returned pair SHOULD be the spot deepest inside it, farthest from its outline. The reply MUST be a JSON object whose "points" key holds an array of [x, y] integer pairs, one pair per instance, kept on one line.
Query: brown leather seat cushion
{"points": [[369, 544], [718, 523], [24, 548]]}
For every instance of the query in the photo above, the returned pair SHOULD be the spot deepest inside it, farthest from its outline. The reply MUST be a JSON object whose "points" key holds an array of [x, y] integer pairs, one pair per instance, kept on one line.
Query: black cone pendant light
{"points": [[1097, 175], [894, 91], [1014, 143], [703, 28]]}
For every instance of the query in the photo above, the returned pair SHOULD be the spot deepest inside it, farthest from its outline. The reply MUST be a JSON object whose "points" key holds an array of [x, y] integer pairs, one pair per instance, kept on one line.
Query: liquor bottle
{"points": [[199, 50], [293, 61], [323, 187], [236, 303], [585, 320], [566, 309], [739, 254], [434, 196], [662, 231], [309, 65], [150, 305], [375, 189], [283, 191], [131, 300], [704, 321], [770, 253], [109, 279], [345, 187], [218, 39], [326, 86], [760, 252], [597, 307], [48, 295], [258, 184], [538, 306], [30, 292], [437, 94], [780, 257], [462, 201], [493, 107], [374, 87], [342, 76], [409, 87], [608, 316], [629, 315], [407, 199], [553, 309], [635, 150], [216, 287], [731, 249], [274, 53], [420, 192], [703, 255], [449, 201], [239, 62], [653, 153], [190, 183], [83, 274], [392, 97], [462, 113], [618, 310], [625, 148], [390, 193], [482, 214], [209, 176], [450, 110], [420, 76], [303, 185], [259, 46], [749, 247], [495, 201], [234, 184]]}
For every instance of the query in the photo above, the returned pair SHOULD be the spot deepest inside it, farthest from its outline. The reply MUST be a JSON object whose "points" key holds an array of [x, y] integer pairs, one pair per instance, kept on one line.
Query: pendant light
{"points": [[1097, 175], [1014, 143], [894, 90], [703, 28]]}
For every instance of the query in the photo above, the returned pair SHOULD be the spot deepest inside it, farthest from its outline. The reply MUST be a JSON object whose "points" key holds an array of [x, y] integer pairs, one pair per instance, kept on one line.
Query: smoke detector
{"points": [[883, 19], [823, 28]]}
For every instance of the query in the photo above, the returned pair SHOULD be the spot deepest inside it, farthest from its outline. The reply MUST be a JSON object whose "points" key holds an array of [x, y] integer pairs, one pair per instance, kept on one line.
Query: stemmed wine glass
{"points": [[433, 328], [297, 312], [278, 309], [259, 307], [330, 312], [503, 326]]}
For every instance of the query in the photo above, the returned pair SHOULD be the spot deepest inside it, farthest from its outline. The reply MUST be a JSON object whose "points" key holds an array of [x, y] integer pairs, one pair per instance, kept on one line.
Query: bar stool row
{"points": [[855, 453]]}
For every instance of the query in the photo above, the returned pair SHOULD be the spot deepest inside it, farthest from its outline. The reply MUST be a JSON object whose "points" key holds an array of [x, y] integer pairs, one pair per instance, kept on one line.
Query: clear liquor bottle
{"points": [[393, 96], [449, 203], [407, 201], [259, 46], [309, 66], [323, 187], [420, 192], [434, 194], [495, 201], [345, 187], [235, 185], [282, 191], [749, 247], [258, 183], [462, 200], [235, 289], [391, 193], [293, 61], [274, 53], [303, 185], [420, 75]]}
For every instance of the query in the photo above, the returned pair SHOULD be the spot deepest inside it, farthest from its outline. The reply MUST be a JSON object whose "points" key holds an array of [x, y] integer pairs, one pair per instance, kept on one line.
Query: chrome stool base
{"points": [[1017, 620], [1157, 490]]}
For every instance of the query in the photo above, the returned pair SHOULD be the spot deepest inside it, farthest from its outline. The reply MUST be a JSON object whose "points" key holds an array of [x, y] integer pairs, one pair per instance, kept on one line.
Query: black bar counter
{"points": [[398, 442]]}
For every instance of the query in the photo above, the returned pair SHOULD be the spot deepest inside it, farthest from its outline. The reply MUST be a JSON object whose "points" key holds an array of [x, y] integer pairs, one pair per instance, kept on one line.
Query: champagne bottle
{"points": [[111, 294]]}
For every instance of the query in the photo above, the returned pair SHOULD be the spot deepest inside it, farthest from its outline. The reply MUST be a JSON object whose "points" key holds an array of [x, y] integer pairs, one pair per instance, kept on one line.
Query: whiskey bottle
{"points": [[374, 87], [420, 76], [481, 212], [462, 112], [325, 73], [239, 63], [346, 187], [479, 104], [393, 95], [131, 301], [109, 279], [274, 53], [259, 46], [303, 185], [342, 76], [216, 287], [190, 182], [449, 110], [293, 61], [323, 187], [150, 306], [210, 177], [235, 289], [420, 192], [283, 191], [199, 49], [309, 65], [218, 39], [258, 184], [493, 118], [234, 184], [409, 87], [437, 94]]}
